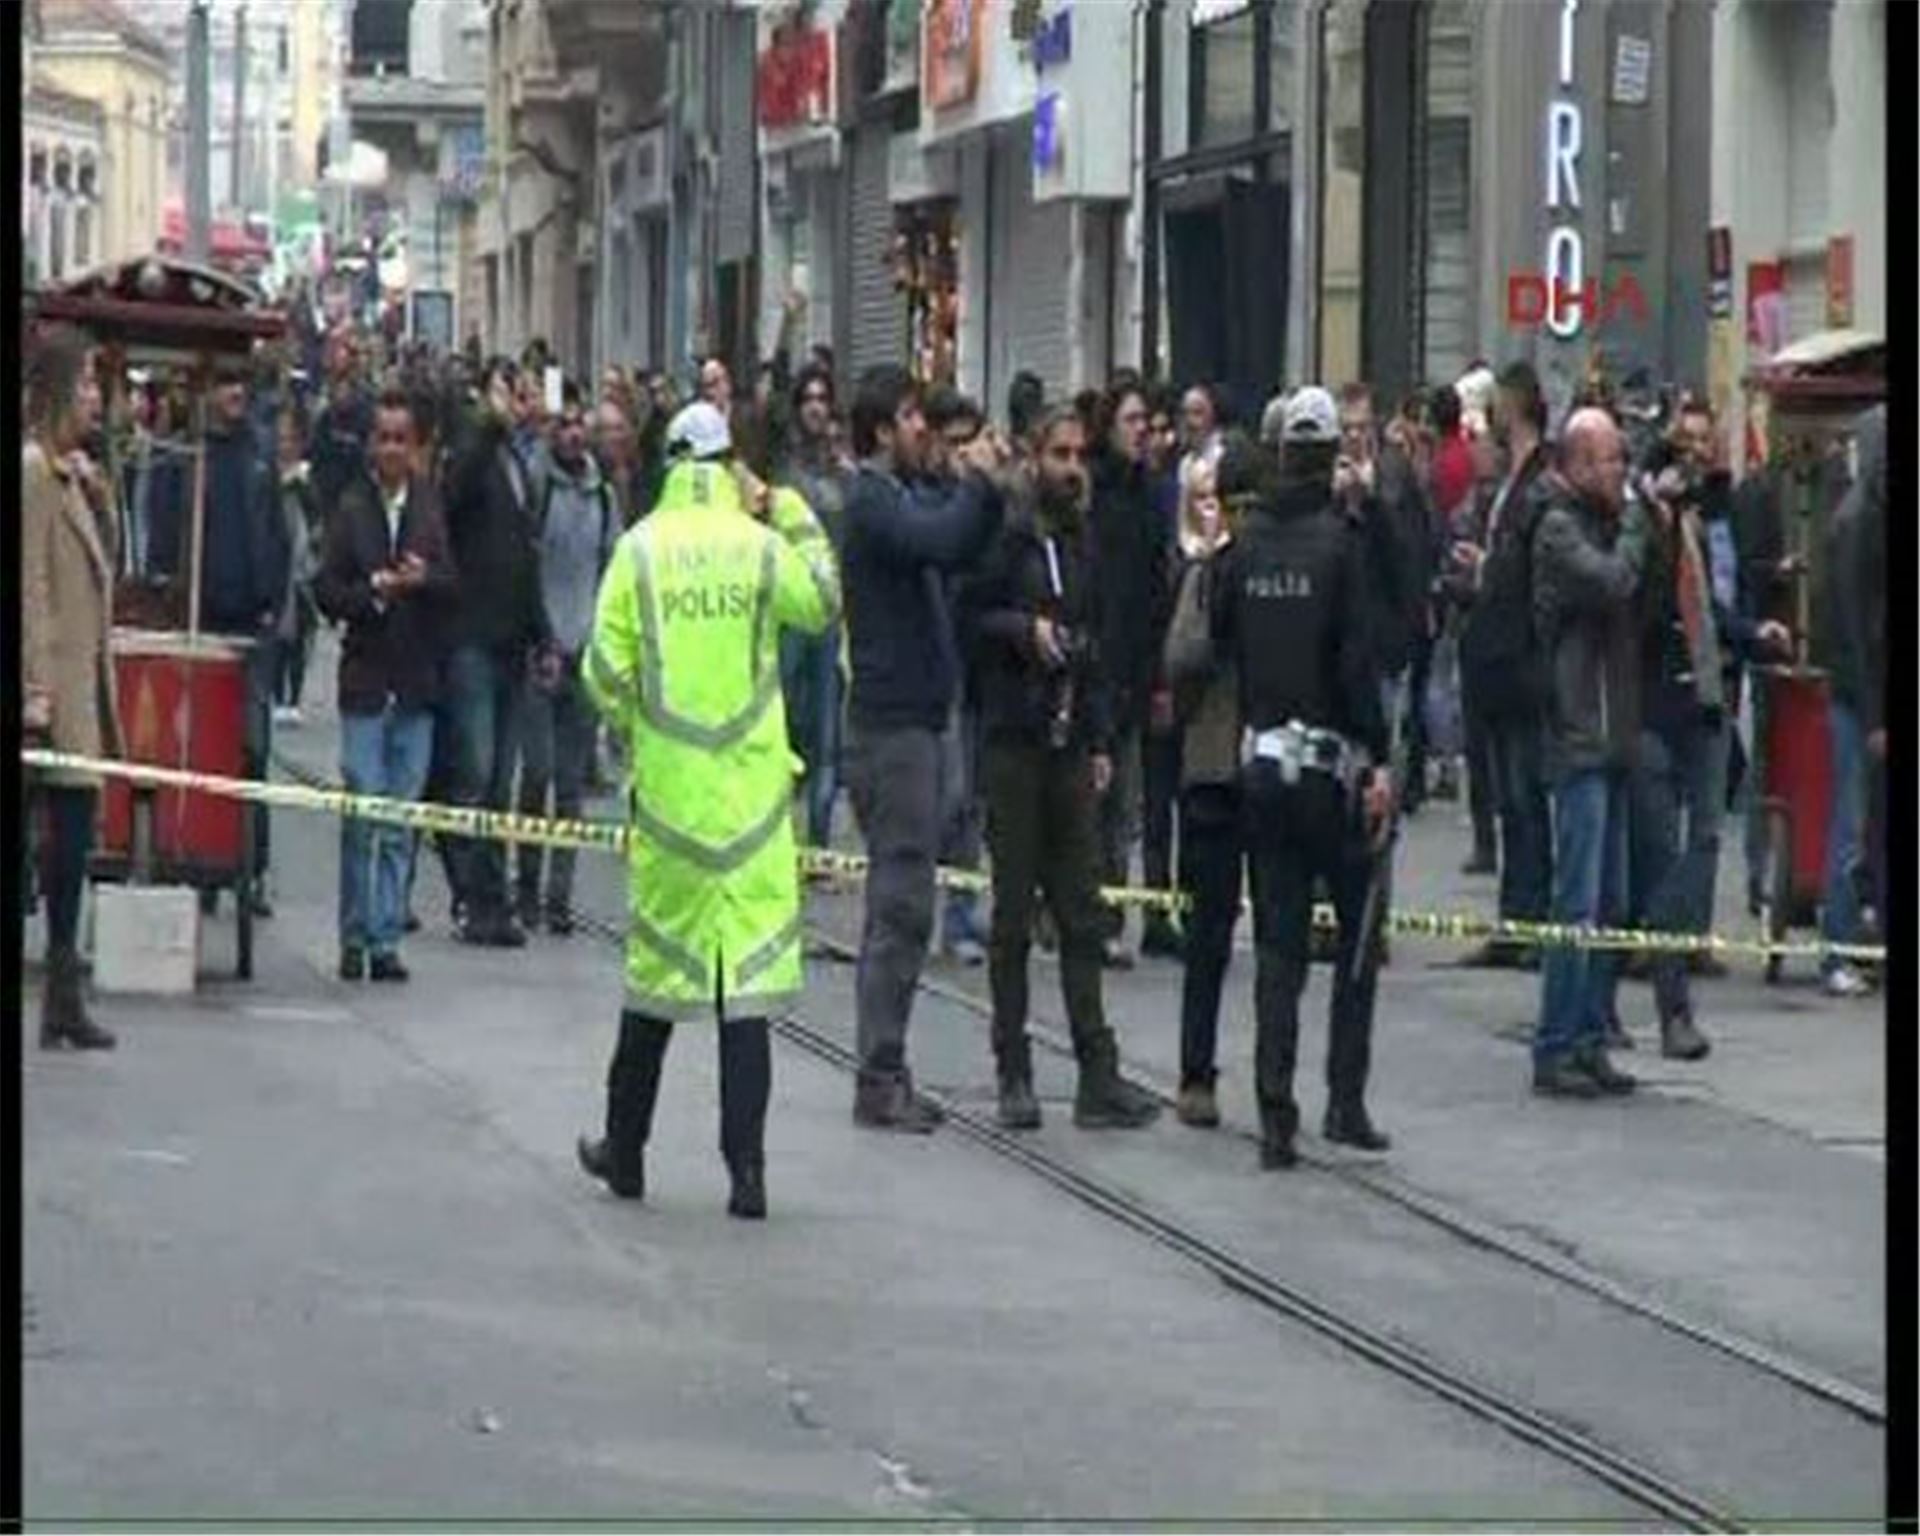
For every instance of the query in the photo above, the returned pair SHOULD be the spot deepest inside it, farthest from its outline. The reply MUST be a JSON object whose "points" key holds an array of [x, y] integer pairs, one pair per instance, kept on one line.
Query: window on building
{"points": [[62, 171], [1342, 45], [1446, 181], [1281, 76], [57, 241], [526, 288], [37, 168], [490, 268], [1221, 80], [82, 238], [621, 257]]}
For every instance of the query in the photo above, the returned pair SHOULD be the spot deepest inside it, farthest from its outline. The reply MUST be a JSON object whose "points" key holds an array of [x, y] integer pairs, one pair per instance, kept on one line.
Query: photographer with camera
{"points": [[1031, 614], [1692, 640]]}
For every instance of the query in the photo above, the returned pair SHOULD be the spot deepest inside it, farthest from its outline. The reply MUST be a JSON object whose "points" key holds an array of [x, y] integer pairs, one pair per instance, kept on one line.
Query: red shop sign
{"points": [[796, 79]]}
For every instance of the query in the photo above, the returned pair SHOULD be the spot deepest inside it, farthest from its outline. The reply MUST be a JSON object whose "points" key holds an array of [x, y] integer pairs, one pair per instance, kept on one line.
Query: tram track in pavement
{"points": [[1472, 1230], [1669, 1500], [1662, 1495]]}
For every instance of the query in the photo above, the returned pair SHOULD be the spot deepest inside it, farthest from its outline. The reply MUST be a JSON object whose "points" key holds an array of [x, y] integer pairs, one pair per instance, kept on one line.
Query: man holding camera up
{"points": [[1032, 614]]}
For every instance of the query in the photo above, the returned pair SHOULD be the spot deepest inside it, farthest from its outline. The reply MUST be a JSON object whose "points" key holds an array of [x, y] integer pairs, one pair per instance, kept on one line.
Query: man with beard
{"points": [[1033, 612], [1500, 662], [810, 664]]}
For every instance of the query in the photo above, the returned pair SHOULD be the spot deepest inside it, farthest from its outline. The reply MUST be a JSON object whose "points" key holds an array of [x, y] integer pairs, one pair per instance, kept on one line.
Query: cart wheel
{"points": [[1779, 913]]}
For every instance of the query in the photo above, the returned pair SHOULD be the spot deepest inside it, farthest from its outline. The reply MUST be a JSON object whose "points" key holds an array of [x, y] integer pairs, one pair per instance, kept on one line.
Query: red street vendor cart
{"points": [[182, 695], [1811, 395]]}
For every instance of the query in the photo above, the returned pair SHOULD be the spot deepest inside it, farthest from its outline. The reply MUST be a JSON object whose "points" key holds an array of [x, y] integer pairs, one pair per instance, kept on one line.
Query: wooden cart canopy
{"points": [[155, 305], [1830, 366]]}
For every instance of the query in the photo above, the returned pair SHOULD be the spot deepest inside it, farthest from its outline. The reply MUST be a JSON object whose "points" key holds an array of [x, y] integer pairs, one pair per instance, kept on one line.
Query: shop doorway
{"points": [[1226, 250]]}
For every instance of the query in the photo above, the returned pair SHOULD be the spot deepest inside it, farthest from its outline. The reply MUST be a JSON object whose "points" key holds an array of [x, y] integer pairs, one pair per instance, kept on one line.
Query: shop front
{"points": [[1023, 98], [803, 182]]}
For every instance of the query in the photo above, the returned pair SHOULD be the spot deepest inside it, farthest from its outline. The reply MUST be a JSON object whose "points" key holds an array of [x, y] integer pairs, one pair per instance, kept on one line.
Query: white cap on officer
{"points": [[699, 432], [1311, 417]]}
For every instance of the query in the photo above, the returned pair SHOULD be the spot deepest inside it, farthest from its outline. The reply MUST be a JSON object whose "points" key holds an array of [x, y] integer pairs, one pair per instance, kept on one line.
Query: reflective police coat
{"points": [[685, 660]]}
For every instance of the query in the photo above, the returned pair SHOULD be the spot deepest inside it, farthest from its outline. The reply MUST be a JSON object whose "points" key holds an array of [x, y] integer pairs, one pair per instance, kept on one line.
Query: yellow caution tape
{"points": [[612, 837]]}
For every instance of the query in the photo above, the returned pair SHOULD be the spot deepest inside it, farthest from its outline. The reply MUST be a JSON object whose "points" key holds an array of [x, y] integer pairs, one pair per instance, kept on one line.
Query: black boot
{"points": [[629, 1184], [1013, 1062], [1105, 1100], [1348, 1124], [748, 1199], [64, 1019], [633, 1086], [746, 1085], [1278, 1124]]}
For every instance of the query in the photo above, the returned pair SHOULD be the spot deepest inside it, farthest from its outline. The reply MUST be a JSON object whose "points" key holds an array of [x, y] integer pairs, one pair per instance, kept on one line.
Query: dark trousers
{"points": [[63, 860], [1517, 751], [294, 651], [1211, 850], [263, 663], [633, 1087], [1118, 822], [1160, 772], [1414, 728], [1043, 829], [1483, 783], [894, 775], [1295, 835], [556, 743], [483, 693], [439, 776]]}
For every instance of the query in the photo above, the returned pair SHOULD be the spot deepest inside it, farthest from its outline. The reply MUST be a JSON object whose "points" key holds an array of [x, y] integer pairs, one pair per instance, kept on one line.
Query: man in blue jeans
{"points": [[1587, 559], [496, 628], [385, 576]]}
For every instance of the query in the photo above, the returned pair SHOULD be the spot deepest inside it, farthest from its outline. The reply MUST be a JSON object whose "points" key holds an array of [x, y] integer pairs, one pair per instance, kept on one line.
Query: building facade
{"points": [[94, 51], [425, 111]]}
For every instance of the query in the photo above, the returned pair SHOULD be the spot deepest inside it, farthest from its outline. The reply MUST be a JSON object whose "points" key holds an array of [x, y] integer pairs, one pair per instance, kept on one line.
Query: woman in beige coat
{"points": [[66, 573]]}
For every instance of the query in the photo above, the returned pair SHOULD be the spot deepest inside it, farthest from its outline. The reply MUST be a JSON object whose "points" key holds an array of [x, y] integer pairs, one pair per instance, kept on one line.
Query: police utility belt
{"points": [[1294, 749]]}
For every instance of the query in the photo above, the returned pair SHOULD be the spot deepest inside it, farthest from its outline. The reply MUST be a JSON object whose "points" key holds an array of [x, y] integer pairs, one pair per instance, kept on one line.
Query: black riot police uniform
{"points": [[1289, 611]]}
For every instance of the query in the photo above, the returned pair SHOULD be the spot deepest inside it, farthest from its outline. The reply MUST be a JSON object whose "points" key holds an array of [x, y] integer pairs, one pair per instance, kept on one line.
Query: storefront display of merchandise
{"points": [[926, 270]]}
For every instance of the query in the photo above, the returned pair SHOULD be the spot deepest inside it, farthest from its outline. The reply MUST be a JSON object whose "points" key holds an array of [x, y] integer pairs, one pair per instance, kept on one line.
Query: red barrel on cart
{"points": [[183, 704], [1800, 773]]}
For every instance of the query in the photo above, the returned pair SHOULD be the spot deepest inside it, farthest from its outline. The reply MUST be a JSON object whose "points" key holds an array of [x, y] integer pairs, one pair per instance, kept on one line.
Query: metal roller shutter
{"points": [[877, 314], [1029, 272]]}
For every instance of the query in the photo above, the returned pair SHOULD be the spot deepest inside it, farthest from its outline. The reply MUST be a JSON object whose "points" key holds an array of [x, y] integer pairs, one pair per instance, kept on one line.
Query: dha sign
{"points": [[1566, 261]]}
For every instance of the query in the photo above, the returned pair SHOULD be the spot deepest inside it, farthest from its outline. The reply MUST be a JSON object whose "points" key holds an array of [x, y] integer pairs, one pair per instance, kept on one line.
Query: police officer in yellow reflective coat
{"points": [[685, 663]]}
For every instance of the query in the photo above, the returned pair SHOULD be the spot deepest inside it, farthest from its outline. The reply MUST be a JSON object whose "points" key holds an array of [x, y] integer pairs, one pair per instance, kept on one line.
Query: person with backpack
{"points": [[575, 525], [1501, 661]]}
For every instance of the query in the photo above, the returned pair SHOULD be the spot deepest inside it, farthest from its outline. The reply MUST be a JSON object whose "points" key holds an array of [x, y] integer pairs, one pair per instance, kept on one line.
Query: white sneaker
{"points": [[1845, 981], [288, 715]]}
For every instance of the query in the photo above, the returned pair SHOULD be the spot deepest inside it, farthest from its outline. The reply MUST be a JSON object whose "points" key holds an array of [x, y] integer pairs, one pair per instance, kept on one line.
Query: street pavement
{"points": [[300, 1248]]}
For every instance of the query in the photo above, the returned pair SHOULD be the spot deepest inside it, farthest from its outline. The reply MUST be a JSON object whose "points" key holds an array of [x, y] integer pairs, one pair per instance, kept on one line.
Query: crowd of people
{"points": [[1128, 624]]}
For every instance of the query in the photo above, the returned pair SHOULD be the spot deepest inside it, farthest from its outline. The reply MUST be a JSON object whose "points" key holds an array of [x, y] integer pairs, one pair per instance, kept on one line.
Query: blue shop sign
{"points": [[1053, 42], [1049, 132]]}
